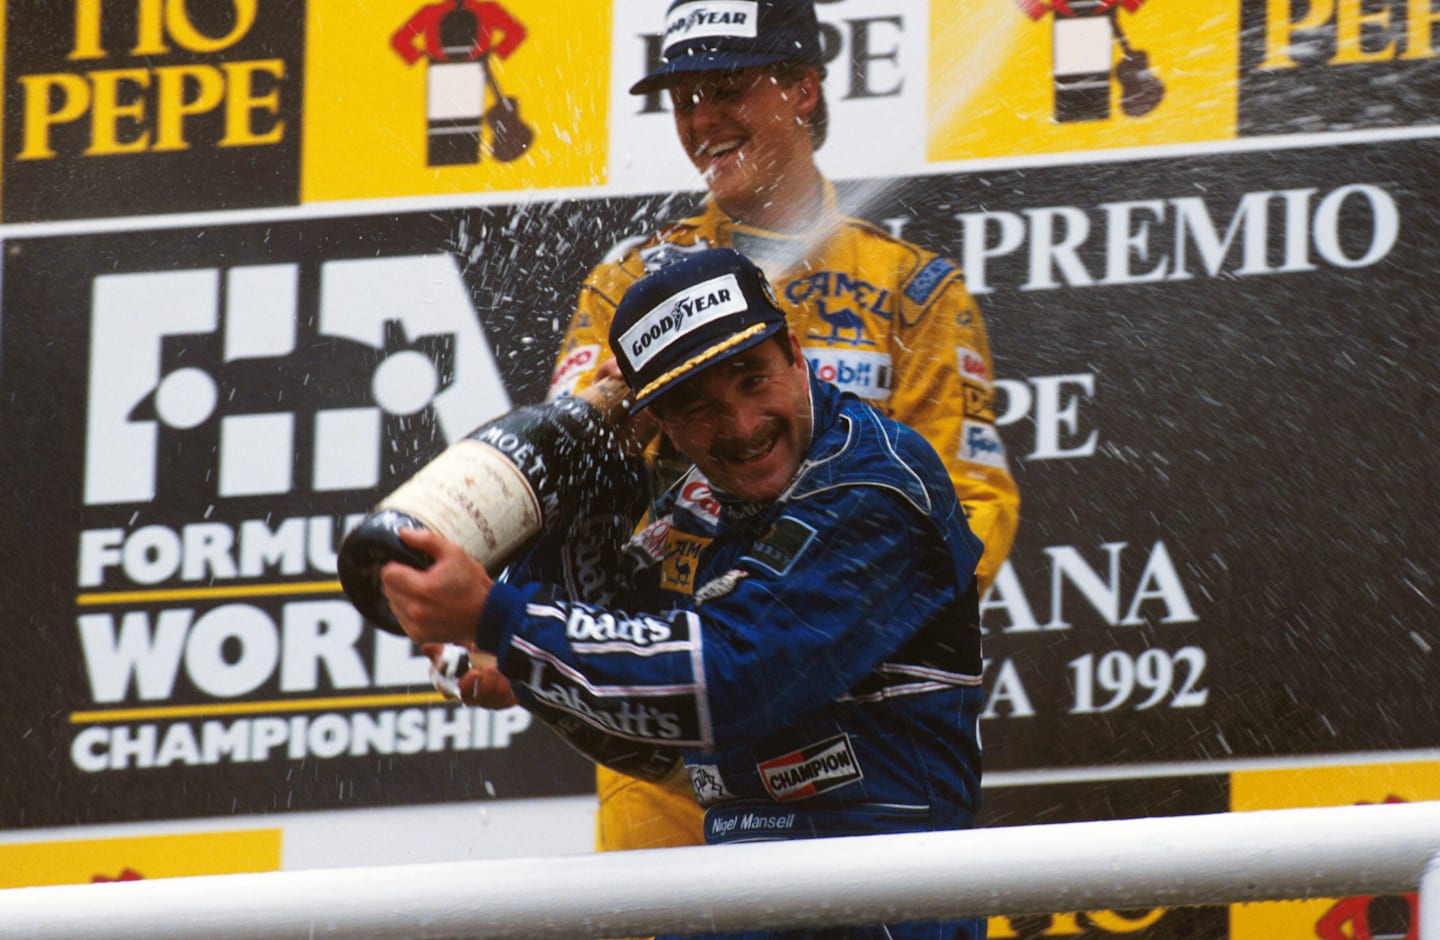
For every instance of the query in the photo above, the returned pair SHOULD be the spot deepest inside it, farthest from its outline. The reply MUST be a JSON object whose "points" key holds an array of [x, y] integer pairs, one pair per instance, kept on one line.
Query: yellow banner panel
{"points": [[33, 864], [1011, 77], [1357, 918], [399, 102]]}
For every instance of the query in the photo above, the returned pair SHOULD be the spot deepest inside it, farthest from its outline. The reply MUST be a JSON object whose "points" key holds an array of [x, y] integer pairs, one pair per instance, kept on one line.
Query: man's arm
{"points": [[862, 573], [441, 603], [944, 388]]}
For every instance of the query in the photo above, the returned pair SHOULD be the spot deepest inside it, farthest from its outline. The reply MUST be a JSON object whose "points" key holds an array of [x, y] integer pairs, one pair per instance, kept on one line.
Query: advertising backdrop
{"points": [[1209, 400], [116, 109], [261, 261], [384, 99]]}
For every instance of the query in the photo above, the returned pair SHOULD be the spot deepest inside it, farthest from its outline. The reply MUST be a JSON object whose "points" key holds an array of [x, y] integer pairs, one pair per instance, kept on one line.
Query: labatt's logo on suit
{"points": [[1086, 33]]}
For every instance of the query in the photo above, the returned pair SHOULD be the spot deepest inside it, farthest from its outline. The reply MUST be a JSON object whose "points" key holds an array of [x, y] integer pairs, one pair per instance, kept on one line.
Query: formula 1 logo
{"points": [[1086, 33], [224, 362], [457, 40]]}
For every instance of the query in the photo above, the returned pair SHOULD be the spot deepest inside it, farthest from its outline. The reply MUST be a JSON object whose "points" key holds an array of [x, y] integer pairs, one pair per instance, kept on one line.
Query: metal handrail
{"points": [[1430, 900], [1123, 864]]}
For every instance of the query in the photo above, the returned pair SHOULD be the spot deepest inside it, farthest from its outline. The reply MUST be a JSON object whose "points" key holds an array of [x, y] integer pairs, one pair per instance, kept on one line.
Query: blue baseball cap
{"points": [[689, 315], [721, 35]]}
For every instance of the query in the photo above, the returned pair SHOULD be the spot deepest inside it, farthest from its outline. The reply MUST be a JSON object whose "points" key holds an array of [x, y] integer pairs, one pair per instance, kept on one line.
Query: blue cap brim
{"points": [[709, 61]]}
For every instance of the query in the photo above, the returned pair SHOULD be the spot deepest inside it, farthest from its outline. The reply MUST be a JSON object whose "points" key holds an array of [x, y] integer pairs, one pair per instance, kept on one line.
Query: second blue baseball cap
{"points": [[721, 35]]}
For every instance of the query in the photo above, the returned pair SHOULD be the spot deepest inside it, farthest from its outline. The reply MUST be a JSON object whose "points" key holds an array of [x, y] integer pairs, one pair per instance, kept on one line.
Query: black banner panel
{"points": [[1022, 805], [1216, 376], [212, 410], [1335, 65], [143, 107], [1214, 380]]}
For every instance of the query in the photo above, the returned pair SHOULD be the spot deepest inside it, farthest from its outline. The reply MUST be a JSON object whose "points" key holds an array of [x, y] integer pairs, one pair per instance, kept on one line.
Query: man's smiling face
{"points": [[745, 422], [744, 131]]}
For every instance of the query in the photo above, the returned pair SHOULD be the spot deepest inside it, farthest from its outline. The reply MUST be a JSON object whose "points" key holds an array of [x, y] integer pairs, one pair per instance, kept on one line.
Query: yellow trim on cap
{"points": [[705, 356]]}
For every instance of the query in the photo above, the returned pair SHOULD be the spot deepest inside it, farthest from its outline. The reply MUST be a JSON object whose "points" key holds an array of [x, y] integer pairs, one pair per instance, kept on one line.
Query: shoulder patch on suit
{"points": [[623, 247], [682, 554], [719, 587], [778, 548], [666, 252], [923, 284]]}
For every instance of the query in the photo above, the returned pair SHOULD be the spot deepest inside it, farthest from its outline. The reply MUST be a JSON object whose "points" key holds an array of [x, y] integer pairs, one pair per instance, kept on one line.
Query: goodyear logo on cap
{"points": [[679, 314], [703, 20]]}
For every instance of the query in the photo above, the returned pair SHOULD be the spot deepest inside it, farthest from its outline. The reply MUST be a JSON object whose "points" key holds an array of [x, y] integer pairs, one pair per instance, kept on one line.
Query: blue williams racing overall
{"points": [[815, 660]]}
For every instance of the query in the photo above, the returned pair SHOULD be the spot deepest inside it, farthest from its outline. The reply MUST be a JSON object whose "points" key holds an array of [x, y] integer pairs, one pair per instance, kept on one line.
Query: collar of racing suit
{"points": [[775, 252]]}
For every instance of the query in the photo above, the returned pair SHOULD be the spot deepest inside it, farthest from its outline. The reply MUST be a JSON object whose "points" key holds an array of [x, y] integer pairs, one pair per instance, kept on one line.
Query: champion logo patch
{"points": [[825, 765]]}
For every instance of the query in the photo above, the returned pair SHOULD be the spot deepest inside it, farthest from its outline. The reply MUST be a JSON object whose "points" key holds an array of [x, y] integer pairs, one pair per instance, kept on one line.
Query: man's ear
{"points": [[795, 349], [665, 430], [659, 418], [808, 89]]}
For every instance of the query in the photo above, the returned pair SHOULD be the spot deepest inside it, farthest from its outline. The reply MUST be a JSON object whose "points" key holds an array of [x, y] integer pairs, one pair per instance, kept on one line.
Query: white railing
{"points": [[1125, 864], [1430, 900]]}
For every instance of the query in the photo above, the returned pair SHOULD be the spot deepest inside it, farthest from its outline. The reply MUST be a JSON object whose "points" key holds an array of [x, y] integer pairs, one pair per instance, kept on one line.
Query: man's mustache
{"points": [[736, 449]]}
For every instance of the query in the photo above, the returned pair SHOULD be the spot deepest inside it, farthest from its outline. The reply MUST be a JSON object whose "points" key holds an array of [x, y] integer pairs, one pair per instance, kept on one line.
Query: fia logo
{"points": [[457, 40], [270, 398], [1086, 33]]}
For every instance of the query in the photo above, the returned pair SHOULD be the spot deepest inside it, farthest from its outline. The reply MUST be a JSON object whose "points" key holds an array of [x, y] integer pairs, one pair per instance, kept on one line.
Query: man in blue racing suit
{"points": [[824, 677]]}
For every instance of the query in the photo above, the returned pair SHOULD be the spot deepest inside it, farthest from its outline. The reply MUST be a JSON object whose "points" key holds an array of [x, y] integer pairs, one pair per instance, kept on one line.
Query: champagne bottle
{"points": [[490, 492]]}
